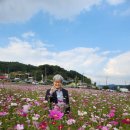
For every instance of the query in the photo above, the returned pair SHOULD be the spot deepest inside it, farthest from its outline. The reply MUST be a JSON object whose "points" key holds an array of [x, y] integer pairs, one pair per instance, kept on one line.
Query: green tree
{"points": [[105, 87]]}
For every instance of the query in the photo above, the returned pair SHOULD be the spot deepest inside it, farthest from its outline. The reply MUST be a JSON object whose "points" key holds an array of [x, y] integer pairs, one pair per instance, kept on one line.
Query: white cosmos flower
{"points": [[45, 101], [115, 128], [70, 121], [34, 118], [94, 107], [82, 113], [14, 104]]}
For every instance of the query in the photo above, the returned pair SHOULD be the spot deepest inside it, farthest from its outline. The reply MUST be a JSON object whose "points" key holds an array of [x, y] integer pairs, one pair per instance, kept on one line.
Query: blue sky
{"points": [[89, 36]]}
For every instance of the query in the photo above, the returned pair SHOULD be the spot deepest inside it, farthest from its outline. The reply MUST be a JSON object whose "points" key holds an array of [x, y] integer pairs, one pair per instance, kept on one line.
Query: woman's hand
{"points": [[53, 89]]}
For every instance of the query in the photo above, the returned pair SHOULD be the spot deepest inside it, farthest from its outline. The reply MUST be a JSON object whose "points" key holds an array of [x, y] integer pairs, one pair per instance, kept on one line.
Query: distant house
{"points": [[3, 77]]}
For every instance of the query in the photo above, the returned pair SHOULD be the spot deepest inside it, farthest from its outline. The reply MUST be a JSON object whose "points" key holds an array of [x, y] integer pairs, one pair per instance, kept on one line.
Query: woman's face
{"points": [[57, 84]]}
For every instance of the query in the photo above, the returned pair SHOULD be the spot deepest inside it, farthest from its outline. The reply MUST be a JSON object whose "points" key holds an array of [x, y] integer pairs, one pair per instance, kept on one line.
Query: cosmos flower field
{"points": [[23, 107]]}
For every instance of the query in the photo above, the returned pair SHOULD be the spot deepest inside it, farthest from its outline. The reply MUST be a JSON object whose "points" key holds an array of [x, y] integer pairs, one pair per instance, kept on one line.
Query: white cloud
{"points": [[15, 10], [119, 65], [116, 2], [83, 60], [23, 51], [20, 11], [69, 8], [37, 53], [117, 69], [28, 34], [93, 62], [80, 59]]}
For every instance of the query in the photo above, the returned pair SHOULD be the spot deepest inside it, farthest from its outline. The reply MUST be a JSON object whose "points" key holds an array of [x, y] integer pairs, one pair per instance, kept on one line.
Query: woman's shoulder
{"points": [[64, 90], [48, 90]]}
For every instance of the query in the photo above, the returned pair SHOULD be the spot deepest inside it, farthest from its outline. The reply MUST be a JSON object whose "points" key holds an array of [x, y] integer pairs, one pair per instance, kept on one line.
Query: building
{"points": [[124, 90], [4, 77]]}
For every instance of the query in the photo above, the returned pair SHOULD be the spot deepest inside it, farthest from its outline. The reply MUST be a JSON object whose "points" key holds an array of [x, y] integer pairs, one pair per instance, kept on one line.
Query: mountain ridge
{"points": [[45, 70]]}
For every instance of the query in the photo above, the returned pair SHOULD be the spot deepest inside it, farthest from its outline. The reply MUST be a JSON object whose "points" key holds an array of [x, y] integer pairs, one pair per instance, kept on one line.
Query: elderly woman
{"points": [[57, 95]]}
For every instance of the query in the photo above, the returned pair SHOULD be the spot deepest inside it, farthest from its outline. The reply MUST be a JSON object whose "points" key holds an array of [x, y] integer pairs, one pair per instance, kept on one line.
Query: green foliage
{"points": [[7, 67], [37, 74], [94, 83], [106, 87]]}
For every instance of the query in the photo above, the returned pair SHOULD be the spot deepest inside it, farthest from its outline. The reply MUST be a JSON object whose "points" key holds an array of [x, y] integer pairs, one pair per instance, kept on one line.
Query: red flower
{"points": [[126, 121], [43, 125], [60, 127], [53, 122], [23, 114]]}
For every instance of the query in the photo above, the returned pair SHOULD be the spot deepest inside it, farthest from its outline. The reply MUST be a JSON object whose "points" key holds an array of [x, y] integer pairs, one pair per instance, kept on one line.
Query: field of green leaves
{"points": [[24, 108]]}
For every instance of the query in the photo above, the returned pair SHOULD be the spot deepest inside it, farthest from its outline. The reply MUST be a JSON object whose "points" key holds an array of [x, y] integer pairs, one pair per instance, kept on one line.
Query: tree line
{"points": [[47, 71]]}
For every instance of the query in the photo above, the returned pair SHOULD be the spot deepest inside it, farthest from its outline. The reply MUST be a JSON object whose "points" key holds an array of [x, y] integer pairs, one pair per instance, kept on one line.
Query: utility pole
{"points": [[106, 80], [45, 74], [76, 79], [35, 76], [42, 77], [8, 70], [83, 78], [8, 73]]}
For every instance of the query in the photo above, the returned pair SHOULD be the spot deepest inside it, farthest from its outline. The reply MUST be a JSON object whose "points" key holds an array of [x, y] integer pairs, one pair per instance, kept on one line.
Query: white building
{"points": [[124, 90]]}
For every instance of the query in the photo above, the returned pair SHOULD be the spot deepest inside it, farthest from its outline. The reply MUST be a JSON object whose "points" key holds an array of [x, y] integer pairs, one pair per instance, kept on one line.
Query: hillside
{"points": [[48, 71]]}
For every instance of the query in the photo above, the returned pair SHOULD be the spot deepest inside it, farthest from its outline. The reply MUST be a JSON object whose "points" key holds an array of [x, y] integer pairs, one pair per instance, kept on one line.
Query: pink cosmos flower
{"points": [[37, 103], [26, 108], [55, 114], [81, 128], [104, 128], [114, 123], [37, 115], [19, 127], [125, 114], [112, 111], [111, 114], [56, 107], [3, 113]]}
